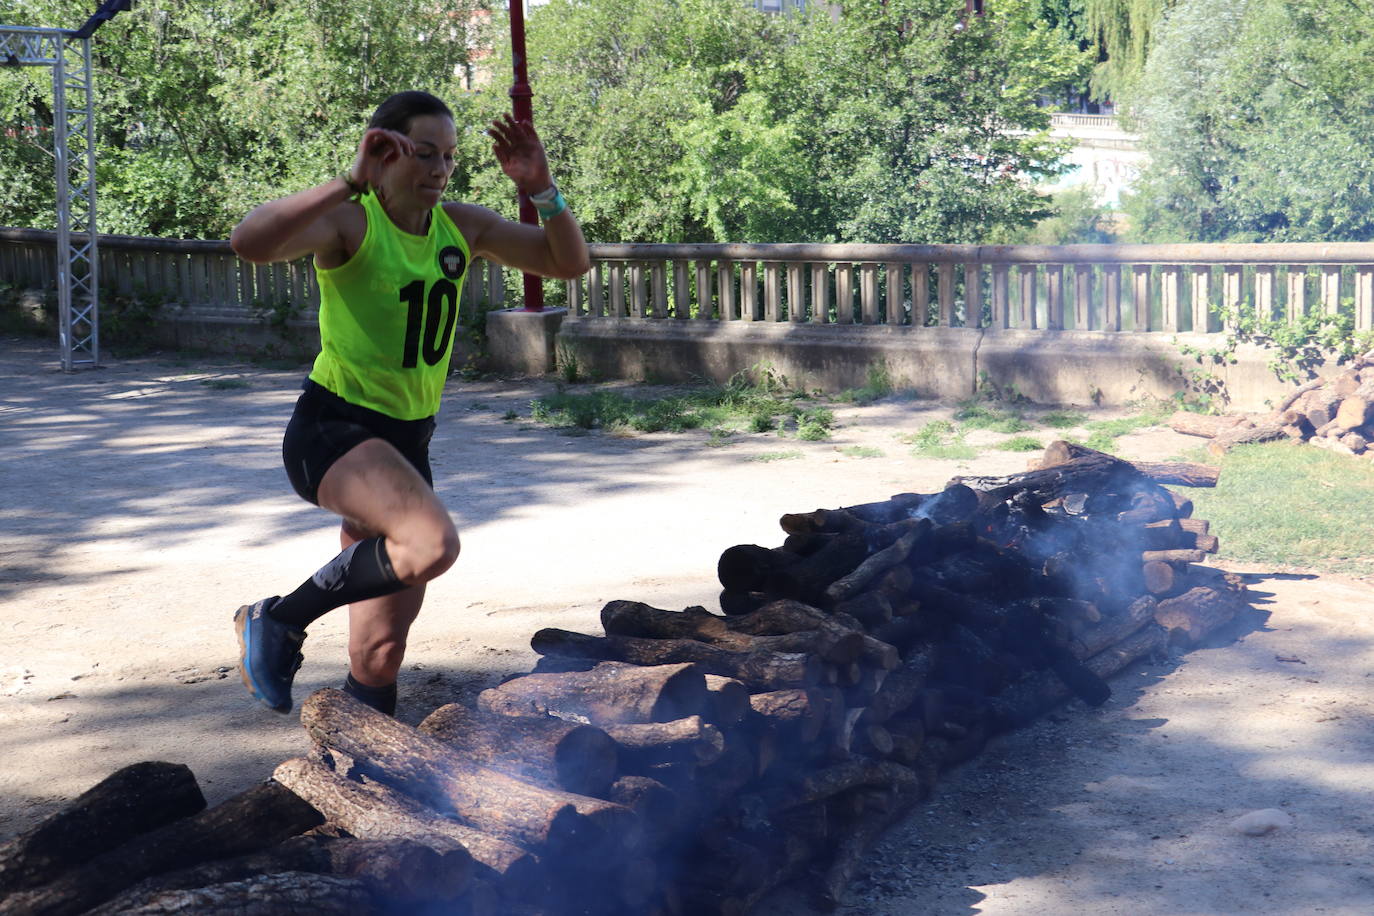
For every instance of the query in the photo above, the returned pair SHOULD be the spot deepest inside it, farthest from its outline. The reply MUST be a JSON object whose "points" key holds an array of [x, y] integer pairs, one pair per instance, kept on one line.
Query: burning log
{"points": [[760, 668], [901, 687], [370, 810], [427, 769], [604, 695], [798, 714], [1187, 474], [729, 700], [1190, 616], [391, 871], [329, 895], [546, 750], [835, 779], [687, 740], [786, 616], [660, 809], [1024, 701], [128, 802], [877, 563], [253, 820], [638, 620]]}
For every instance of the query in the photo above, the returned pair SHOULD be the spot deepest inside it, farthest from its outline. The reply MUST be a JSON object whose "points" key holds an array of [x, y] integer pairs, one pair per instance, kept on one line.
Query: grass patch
{"points": [[225, 384], [878, 386], [1063, 419], [1020, 444], [1293, 505], [979, 415], [759, 400], [939, 439], [861, 451], [776, 456]]}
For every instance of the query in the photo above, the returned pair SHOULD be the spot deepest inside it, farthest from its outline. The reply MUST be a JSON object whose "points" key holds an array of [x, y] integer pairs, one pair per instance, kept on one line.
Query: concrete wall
{"points": [[1049, 367]]}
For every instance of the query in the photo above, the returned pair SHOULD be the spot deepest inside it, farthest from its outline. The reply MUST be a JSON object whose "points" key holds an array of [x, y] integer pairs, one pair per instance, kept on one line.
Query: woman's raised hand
{"points": [[520, 153], [379, 147]]}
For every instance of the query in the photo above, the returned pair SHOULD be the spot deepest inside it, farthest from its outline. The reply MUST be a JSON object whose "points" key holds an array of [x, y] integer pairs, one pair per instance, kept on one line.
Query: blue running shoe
{"points": [[269, 654]]}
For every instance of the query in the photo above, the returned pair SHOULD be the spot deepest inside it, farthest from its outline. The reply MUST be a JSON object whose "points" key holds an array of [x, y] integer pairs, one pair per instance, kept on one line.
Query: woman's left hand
{"points": [[520, 153]]}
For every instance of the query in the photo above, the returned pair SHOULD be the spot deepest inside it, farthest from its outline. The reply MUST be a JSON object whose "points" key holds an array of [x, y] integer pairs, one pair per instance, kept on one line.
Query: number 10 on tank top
{"points": [[440, 306]]}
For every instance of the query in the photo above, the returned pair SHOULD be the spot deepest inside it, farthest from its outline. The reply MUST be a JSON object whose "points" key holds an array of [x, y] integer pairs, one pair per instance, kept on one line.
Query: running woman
{"points": [[390, 256]]}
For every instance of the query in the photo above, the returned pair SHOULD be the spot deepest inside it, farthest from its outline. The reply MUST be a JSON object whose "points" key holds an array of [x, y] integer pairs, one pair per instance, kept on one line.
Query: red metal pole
{"points": [[521, 93]]}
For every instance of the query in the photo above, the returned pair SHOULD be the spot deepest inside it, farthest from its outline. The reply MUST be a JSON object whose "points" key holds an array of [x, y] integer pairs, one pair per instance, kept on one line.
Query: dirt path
{"points": [[142, 502]]}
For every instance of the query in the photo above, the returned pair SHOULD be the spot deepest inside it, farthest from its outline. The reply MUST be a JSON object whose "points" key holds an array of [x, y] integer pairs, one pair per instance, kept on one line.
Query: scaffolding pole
{"points": [[73, 132]]}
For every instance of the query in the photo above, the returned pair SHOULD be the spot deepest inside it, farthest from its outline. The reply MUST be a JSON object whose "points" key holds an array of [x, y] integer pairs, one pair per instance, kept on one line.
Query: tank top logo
{"points": [[452, 261]]}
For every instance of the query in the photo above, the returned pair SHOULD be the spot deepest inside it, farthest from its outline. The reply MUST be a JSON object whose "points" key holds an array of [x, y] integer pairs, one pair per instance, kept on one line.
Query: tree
{"points": [[1124, 32], [1258, 119], [205, 109], [895, 122]]}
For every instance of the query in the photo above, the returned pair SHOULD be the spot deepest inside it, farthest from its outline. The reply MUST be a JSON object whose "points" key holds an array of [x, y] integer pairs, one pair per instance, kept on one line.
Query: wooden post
{"points": [[920, 294], [1364, 297], [945, 293], [896, 287], [844, 293], [1054, 297], [1171, 296], [1027, 319], [820, 294], [748, 290], [682, 299], [1232, 293], [868, 293], [796, 296], [725, 289], [618, 289], [1201, 295], [1001, 300], [1140, 297], [705, 309], [1083, 297], [973, 295], [1331, 288], [596, 291]]}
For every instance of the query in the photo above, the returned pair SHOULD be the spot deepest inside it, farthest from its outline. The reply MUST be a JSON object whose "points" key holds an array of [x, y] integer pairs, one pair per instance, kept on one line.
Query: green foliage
{"points": [[861, 451], [887, 125], [879, 385], [977, 415], [1020, 444], [1076, 218], [1296, 348], [939, 439], [1293, 505], [1125, 32], [207, 109], [1062, 419], [1257, 118], [777, 456], [127, 319]]}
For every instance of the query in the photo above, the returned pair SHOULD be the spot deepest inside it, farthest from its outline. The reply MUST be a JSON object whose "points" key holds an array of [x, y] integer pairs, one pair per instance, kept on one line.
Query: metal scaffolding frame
{"points": [[68, 53]]}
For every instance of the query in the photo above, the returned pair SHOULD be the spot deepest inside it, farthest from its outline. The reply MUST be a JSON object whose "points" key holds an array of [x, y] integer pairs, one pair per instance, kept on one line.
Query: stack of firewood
{"points": [[1334, 413], [684, 762]]}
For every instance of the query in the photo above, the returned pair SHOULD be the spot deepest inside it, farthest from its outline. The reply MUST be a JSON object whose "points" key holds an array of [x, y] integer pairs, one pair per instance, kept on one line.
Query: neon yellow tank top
{"points": [[388, 315]]}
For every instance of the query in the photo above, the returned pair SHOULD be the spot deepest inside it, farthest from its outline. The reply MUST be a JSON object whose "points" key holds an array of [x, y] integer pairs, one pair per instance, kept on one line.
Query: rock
{"points": [[1355, 442], [1258, 823]]}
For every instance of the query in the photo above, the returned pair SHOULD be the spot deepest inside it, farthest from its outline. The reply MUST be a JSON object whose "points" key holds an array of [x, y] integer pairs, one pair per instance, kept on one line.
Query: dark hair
{"points": [[397, 111]]}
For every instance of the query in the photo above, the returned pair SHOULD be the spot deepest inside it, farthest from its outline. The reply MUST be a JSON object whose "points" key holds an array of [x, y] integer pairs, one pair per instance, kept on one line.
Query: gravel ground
{"points": [[142, 502]]}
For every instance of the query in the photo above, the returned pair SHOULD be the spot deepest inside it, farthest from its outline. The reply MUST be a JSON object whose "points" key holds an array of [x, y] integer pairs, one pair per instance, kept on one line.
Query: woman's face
{"points": [[423, 177]]}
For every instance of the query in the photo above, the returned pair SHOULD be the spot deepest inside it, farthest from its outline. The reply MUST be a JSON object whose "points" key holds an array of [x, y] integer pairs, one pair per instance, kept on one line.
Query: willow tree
{"points": [[1123, 30]]}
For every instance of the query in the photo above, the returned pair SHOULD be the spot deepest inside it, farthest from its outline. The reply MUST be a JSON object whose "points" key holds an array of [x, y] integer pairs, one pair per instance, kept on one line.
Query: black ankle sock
{"points": [[382, 699], [360, 572]]}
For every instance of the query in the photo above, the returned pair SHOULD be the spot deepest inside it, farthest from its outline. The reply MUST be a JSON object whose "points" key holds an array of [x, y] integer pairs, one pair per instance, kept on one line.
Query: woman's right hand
{"points": [[378, 147]]}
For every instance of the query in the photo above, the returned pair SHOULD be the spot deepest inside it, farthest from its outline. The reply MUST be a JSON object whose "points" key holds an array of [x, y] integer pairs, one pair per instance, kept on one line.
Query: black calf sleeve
{"points": [[360, 572], [382, 699]]}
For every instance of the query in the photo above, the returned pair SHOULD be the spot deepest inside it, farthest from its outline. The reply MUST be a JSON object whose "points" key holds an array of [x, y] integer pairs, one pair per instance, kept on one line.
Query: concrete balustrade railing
{"points": [[207, 296], [1138, 288], [1058, 324]]}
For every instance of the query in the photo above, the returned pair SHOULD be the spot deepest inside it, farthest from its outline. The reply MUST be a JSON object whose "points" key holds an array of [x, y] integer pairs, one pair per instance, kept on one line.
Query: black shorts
{"points": [[324, 427]]}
